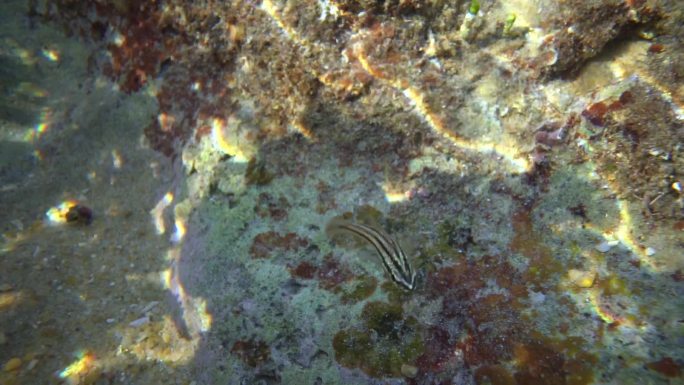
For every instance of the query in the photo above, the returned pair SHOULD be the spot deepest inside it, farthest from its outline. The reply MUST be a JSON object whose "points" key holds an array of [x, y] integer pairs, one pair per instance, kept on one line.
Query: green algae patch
{"points": [[383, 318], [362, 289], [544, 268], [257, 174], [494, 375], [368, 215], [613, 285], [385, 341], [395, 294]]}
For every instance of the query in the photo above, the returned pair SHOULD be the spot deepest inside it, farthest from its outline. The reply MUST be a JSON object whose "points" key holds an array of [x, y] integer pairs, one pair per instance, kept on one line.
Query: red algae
{"points": [[495, 331], [265, 244], [332, 274], [438, 351], [458, 286], [268, 206], [143, 47], [595, 113], [538, 364], [304, 270], [451, 277], [326, 198], [149, 43], [547, 361], [477, 350], [666, 366], [178, 106], [626, 97], [656, 48], [484, 308], [251, 352]]}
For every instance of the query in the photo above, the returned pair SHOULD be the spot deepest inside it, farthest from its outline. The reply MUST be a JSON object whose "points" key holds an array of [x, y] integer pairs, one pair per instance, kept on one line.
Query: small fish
{"points": [[392, 256]]}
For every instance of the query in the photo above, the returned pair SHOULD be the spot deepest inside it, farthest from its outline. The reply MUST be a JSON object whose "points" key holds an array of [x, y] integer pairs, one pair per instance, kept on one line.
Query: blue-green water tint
{"points": [[167, 171]]}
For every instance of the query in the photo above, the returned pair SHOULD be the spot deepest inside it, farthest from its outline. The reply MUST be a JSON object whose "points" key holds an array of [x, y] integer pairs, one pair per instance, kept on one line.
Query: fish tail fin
{"points": [[336, 226]]}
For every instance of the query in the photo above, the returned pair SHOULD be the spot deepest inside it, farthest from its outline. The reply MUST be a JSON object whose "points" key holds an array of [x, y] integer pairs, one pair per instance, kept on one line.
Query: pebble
{"points": [[13, 364], [536, 297], [581, 278], [32, 364], [149, 306], [409, 371], [139, 322], [605, 246]]}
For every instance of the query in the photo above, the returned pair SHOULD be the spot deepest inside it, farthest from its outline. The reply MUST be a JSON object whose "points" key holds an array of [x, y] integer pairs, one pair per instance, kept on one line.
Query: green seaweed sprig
{"points": [[474, 7]]}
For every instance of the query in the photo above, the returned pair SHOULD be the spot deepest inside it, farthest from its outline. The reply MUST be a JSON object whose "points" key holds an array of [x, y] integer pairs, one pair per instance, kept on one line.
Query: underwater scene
{"points": [[323, 192]]}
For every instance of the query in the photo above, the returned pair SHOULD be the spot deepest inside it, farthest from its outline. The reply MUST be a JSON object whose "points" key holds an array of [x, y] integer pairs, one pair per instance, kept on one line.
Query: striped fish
{"points": [[392, 256]]}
